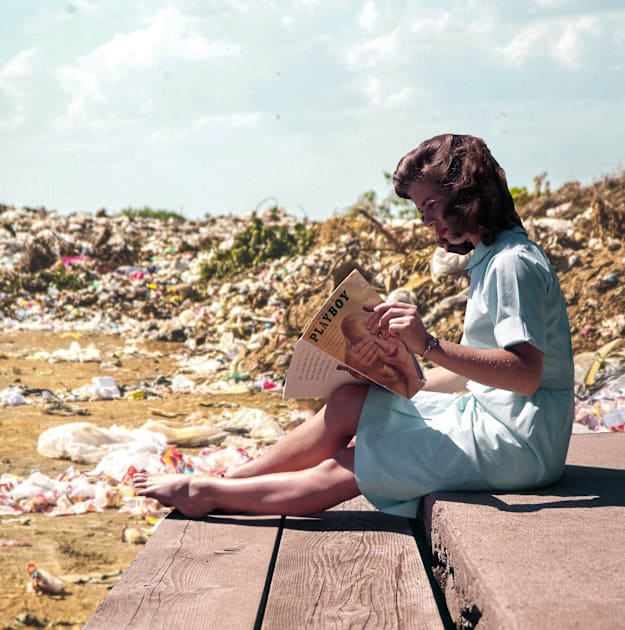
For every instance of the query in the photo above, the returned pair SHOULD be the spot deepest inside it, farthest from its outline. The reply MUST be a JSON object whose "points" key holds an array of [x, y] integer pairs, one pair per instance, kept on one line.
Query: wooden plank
{"points": [[194, 574], [350, 567]]}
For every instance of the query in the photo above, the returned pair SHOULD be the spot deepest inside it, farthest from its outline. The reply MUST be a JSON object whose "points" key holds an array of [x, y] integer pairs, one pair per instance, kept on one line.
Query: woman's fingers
{"points": [[401, 321]]}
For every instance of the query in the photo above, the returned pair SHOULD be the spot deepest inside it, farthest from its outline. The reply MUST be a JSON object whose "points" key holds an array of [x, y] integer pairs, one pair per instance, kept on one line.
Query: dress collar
{"points": [[481, 250]]}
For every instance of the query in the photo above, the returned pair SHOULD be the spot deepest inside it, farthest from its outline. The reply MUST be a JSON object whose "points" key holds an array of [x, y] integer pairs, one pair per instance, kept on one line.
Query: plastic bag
{"points": [[86, 443]]}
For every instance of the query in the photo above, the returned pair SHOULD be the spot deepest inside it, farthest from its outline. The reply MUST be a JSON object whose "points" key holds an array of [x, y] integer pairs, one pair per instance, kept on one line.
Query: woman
{"points": [[510, 428]]}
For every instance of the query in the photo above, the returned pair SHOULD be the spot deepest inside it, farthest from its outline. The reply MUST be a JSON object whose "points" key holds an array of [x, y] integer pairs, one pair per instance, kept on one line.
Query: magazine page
{"points": [[314, 374], [339, 332]]}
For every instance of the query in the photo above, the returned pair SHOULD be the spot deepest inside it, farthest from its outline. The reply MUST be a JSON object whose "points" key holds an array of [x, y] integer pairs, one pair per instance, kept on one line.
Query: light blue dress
{"points": [[488, 438]]}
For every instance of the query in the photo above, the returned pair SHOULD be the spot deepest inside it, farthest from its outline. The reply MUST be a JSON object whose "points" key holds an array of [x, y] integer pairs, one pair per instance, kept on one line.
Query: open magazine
{"points": [[336, 348]]}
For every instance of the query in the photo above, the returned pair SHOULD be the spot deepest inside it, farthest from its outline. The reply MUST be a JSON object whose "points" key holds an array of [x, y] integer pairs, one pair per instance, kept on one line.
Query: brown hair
{"points": [[480, 202]]}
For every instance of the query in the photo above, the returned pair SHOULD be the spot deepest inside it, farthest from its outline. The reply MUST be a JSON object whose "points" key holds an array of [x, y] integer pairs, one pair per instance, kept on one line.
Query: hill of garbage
{"points": [[239, 289]]}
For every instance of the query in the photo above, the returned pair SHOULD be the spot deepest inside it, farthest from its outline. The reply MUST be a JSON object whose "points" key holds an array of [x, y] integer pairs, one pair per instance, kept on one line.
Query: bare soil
{"points": [[87, 550]]}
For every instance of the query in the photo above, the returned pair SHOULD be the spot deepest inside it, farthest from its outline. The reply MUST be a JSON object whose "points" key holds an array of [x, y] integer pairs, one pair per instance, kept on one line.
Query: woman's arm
{"points": [[518, 368], [439, 379]]}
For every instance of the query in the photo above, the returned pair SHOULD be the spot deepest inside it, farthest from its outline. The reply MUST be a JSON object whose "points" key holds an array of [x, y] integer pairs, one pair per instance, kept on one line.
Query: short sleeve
{"points": [[516, 286]]}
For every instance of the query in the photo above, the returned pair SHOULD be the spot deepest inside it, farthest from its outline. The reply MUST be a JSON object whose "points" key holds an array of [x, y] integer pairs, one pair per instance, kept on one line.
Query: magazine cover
{"points": [[337, 348]]}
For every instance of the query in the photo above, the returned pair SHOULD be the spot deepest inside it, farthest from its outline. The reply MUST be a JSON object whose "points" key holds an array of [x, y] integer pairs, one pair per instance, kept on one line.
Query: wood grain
{"points": [[194, 574], [351, 567]]}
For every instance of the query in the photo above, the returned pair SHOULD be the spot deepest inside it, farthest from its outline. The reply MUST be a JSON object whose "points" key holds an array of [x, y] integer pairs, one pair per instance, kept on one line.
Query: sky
{"points": [[212, 107]]}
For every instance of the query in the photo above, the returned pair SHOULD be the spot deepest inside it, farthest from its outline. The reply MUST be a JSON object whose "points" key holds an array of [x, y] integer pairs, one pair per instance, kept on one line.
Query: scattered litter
{"points": [[73, 354], [13, 396], [59, 408], [30, 620], [87, 443], [42, 581], [4, 542], [104, 388], [136, 535], [184, 435], [256, 423], [94, 578]]}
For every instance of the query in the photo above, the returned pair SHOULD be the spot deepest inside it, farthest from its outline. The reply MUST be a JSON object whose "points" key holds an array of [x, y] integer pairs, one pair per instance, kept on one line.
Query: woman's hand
{"points": [[401, 320], [362, 354]]}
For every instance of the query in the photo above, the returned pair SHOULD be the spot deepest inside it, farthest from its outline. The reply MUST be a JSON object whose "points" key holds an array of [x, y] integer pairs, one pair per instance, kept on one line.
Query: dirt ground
{"points": [[86, 550]]}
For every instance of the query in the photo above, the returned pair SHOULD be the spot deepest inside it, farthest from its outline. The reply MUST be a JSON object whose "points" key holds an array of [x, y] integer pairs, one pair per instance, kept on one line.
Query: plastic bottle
{"points": [[43, 581]]}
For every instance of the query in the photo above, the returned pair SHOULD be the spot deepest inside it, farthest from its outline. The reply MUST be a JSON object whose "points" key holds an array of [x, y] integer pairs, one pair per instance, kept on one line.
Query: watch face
{"points": [[431, 343]]}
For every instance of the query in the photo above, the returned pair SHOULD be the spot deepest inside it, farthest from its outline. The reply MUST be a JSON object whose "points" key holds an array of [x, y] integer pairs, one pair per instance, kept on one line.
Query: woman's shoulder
{"points": [[516, 243], [521, 261], [511, 248]]}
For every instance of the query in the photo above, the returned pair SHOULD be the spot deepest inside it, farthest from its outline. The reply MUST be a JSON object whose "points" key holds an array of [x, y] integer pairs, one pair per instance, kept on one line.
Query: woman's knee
{"points": [[337, 470], [348, 399]]}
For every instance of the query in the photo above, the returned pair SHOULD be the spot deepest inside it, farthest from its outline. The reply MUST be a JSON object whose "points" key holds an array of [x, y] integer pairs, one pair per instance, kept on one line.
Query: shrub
{"points": [[40, 281], [256, 244]]}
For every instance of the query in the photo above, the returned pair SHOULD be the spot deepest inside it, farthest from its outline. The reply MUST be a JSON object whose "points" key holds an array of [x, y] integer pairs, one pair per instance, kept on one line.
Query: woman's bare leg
{"points": [[297, 492], [313, 441]]}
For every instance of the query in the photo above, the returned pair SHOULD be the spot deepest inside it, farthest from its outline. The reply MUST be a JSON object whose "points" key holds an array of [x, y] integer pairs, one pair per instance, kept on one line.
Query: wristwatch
{"points": [[430, 344]]}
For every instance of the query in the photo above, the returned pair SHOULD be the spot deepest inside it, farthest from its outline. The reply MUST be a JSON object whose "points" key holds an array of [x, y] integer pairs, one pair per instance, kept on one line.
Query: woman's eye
{"points": [[429, 206]]}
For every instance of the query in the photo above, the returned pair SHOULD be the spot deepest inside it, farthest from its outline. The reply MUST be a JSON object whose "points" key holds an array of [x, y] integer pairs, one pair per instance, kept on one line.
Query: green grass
{"points": [[151, 213]]}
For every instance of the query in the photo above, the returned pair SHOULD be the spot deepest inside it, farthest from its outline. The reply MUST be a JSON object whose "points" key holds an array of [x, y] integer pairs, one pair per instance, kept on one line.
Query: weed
{"points": [[41, 281], [255, 244], [150, 213]]}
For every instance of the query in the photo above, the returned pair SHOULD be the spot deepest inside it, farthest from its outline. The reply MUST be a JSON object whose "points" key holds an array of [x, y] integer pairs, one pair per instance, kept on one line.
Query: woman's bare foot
{"points": [[188, 493]]}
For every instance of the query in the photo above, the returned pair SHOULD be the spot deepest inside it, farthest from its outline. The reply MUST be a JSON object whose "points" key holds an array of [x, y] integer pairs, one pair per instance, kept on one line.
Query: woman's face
{"points": [[431, 201]]}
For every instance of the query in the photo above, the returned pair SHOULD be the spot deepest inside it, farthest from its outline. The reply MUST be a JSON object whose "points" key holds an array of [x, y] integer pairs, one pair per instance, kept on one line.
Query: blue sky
{"points": [[213, 106]]}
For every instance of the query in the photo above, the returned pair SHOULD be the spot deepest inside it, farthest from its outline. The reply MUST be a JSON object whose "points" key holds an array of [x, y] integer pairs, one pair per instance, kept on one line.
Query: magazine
{"points": [[337, 348]]}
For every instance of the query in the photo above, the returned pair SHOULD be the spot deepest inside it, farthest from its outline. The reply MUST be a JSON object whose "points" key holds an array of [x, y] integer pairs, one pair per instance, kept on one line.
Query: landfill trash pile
{"points": [[151, 278], [109, 485], [116, 453]]}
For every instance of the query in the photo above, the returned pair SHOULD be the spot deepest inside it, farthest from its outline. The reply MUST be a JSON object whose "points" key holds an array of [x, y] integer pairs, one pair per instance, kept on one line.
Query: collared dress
{"points": [[486, 438]]}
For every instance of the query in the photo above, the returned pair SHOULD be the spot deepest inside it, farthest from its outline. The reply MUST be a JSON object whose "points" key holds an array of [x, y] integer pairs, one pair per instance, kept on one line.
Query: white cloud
{"points": [[563, 40], [219, 123], [170, 36], [83, 5], [435, 23], [381, 96], [375, 52], [548, 4], [232, 119], [15, 77], [369, 16], [17, 68], [570, 46]]}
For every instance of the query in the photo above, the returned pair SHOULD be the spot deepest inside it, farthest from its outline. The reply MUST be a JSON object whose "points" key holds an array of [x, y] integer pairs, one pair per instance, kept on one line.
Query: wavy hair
{"points": [[479, 199]]}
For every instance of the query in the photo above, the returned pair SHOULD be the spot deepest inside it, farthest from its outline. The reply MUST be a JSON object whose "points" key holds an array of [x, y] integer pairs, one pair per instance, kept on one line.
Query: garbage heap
{"points": [[238, 291], [241, 303]]}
